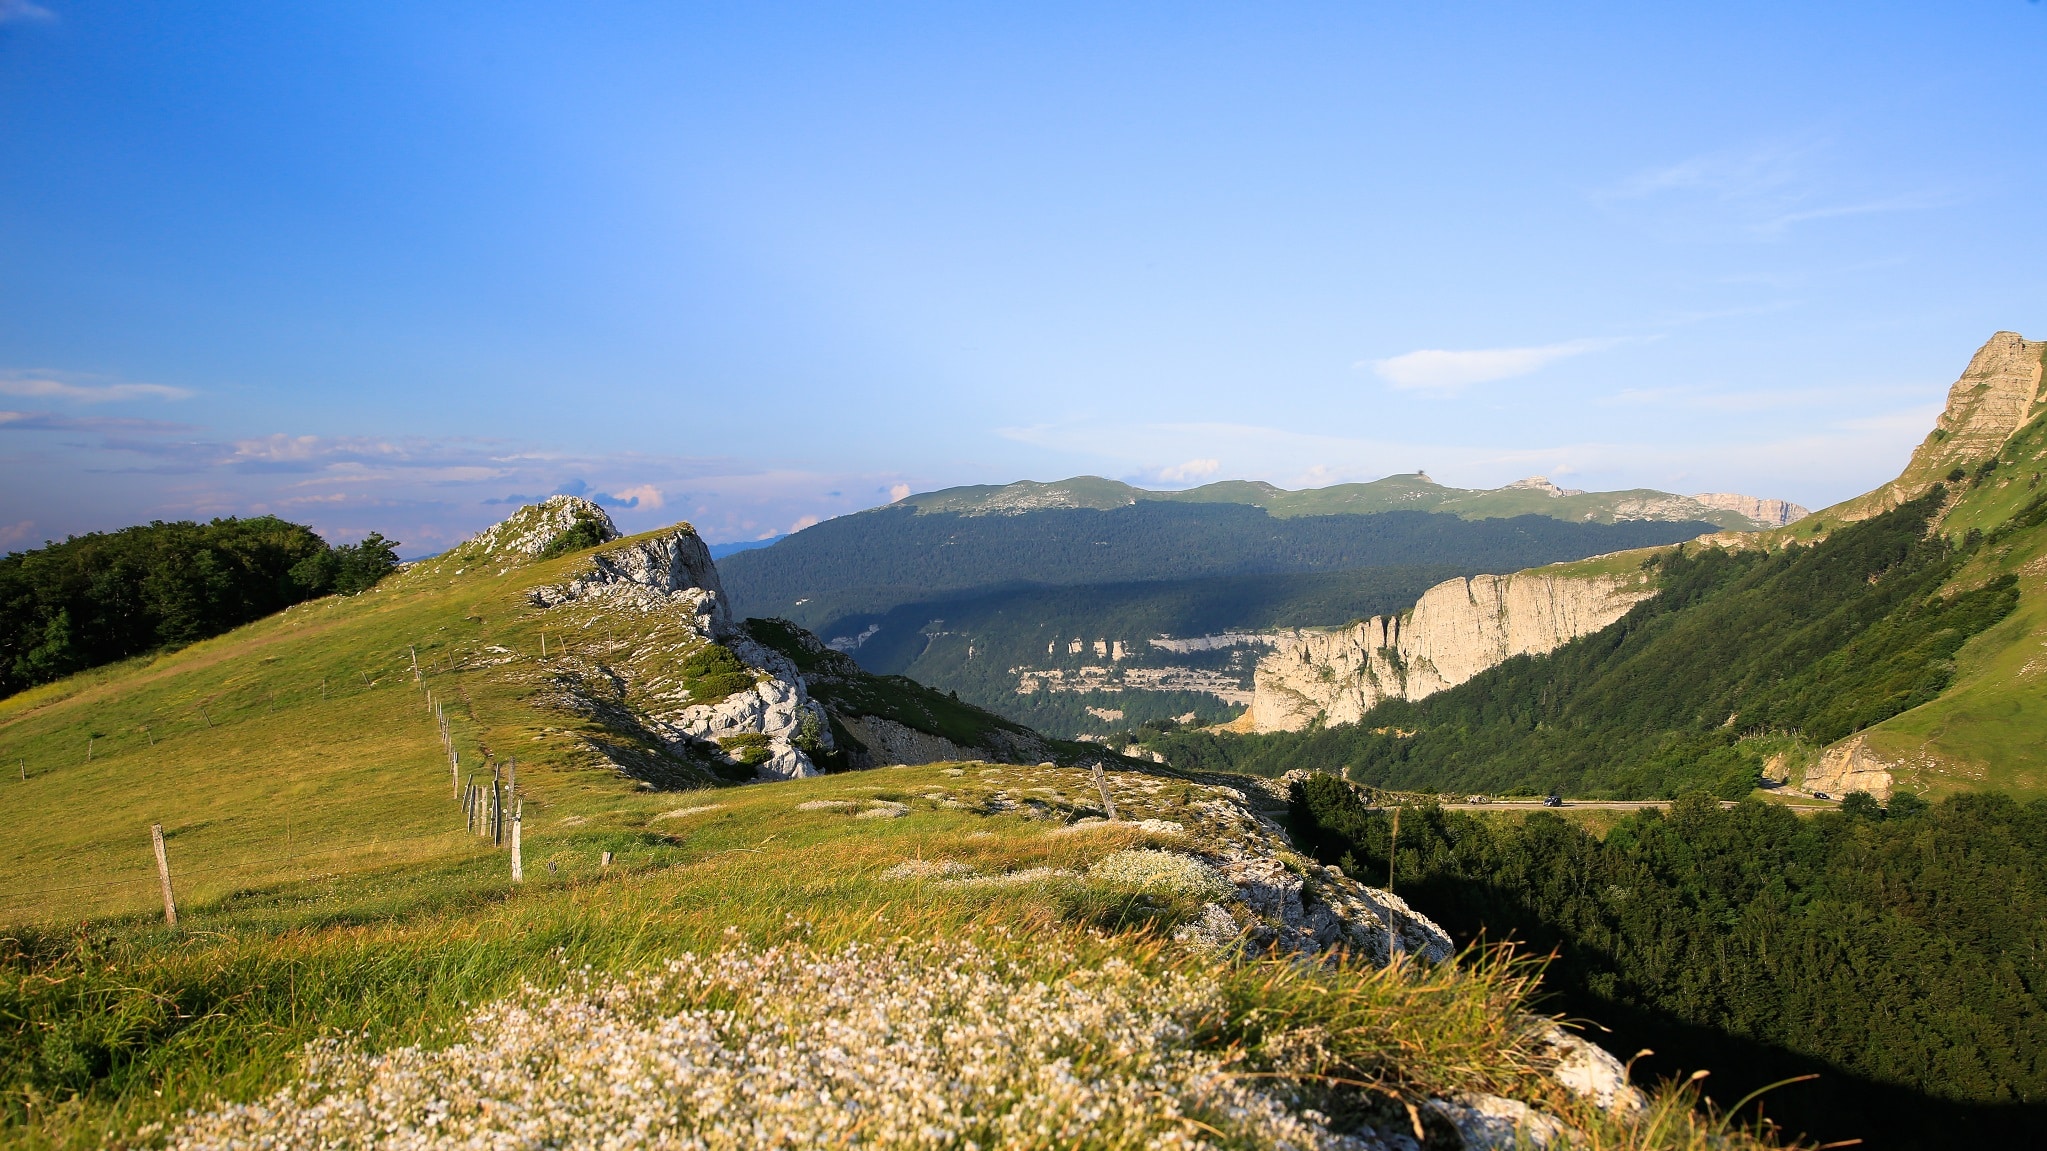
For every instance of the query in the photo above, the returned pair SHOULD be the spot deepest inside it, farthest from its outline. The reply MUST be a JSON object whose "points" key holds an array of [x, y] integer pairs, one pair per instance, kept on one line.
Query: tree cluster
{"points": [[97, 598]]}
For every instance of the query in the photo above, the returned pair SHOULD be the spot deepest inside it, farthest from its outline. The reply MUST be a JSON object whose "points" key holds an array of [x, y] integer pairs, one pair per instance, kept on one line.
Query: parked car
{"points": [[1821, 795], [1552, 801]]}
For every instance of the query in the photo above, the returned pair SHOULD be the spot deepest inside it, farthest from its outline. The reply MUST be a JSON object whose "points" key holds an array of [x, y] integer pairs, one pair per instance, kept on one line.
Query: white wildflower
{"points": [[933, 1046]]}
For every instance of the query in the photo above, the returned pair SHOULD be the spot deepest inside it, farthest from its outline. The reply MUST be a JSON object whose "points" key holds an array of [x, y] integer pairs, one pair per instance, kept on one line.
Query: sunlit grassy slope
{"points": [[126, 1024], [1988, 731], [297, 746]]}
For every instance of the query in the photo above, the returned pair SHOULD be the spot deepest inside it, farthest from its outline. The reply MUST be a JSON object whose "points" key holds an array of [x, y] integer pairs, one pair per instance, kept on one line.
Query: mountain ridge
{"points": [[1412, 491]]}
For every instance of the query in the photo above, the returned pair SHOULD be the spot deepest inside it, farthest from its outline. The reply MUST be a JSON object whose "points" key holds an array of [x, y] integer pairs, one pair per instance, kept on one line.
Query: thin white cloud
{"points": [[1440, 370], [1760, 192], [49, 386]]}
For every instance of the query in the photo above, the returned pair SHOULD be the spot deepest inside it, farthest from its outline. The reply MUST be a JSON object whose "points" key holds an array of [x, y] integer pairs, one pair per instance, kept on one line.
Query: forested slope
{"points": [[1900, 955], [877, 560], [1741, 654]]}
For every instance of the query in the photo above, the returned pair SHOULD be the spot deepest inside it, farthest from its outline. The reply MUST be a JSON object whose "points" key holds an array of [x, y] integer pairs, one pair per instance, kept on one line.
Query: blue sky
{"points": [[389, 266]]}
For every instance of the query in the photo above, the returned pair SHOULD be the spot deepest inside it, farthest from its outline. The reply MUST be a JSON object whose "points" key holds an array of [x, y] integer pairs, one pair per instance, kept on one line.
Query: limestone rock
{"points": [[1850, 766], [1998, 393], [1457, 629], [651, 574], [1496, 1123], [1764, 513], [527, 532], [1590, 1071]]}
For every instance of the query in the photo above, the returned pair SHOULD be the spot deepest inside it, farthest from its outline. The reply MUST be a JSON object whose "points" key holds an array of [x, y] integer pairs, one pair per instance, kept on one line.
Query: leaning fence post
{"points": [[1102, 784], [163, 872], [518, 868]]}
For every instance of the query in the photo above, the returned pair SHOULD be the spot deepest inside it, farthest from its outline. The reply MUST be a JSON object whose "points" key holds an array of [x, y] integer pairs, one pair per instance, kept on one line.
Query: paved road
{"points": [[1607, 804]]}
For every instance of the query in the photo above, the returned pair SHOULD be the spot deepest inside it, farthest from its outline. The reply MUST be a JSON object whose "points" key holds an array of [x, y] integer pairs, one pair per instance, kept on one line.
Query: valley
{"points": [[525, 751]]}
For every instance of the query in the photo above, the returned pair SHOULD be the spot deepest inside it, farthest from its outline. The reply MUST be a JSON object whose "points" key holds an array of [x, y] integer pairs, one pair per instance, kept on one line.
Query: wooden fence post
{"points": [[163, 873], [1102, 785], [518, 864]]}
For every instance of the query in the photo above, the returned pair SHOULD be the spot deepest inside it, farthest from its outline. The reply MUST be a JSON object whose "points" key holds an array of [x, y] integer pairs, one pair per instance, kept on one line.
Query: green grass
{"points": [[124, 1023], [326, 885]]}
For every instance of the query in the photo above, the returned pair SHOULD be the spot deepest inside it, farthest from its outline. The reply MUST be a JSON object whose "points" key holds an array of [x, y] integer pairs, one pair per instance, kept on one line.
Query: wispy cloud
{"points": [[23, 12], [1440, 370], [1761, 192], [82, 390], [430, 492], [51, 422]]}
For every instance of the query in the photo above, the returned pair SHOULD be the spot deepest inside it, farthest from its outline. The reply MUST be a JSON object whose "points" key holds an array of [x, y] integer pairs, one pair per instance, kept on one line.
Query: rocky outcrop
{"points": [[887, 742], [1761, 512], [651, 574], [1458, 629], [1850, 766], [1998, 393], [669, 581], [526, 533]]}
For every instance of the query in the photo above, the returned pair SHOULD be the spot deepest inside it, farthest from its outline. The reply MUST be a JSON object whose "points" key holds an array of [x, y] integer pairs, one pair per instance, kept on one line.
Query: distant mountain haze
{"points": [[876, 560], [1413, 491]]}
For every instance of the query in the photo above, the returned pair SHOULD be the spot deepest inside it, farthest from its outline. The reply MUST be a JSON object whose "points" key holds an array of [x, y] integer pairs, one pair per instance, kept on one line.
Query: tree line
{"points": [[106, 596], [1899, 953]]}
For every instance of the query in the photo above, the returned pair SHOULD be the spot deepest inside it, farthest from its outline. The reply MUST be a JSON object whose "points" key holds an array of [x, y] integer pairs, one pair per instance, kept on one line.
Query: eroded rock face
{"points": [[670, 577], [1282, 899], [1998, 393], [651, 575], [1764, 513], [1850, 766], [1458, 629]]}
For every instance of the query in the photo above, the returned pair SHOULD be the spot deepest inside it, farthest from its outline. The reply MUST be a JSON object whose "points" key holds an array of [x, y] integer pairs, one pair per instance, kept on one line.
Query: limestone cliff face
{"points": [[1458, 629], [1765, 513], [668, 580], [1997, 394], [1850, 766]]}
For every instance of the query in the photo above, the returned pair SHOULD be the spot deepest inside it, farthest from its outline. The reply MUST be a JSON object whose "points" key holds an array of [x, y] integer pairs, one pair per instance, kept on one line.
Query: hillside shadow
{"points": [[1837, 1106]]}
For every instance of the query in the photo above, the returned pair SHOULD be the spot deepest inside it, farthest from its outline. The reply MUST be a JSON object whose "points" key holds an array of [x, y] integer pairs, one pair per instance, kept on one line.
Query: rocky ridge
{"points": [[645, 645], [2000, 392], [1456, 630], [669, 582]]}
